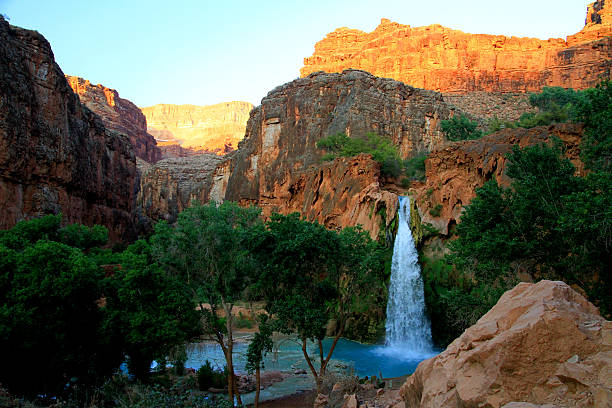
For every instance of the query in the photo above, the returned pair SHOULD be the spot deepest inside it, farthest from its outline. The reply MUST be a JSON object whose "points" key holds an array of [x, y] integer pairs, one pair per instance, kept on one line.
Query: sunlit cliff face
{"points": [[441, 59], [215, 128]]}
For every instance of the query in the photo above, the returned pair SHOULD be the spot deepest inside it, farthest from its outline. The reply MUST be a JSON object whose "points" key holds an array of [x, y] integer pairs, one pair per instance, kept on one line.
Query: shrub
{"points": [[460, 128], [436, 210], [211, 378], [415, 167], [381, 149]]}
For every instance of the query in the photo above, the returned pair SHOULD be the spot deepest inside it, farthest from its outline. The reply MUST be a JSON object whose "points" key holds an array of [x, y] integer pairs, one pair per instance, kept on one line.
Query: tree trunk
{"points": [[258, 385], [312, 369]]}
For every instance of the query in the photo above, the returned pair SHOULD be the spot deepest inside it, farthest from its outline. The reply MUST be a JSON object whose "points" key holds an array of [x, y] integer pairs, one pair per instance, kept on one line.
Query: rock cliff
{"points": [[55, 154], [117, 114], [278, 166], [445, 60], [171, 185], [215, 128], [455, 170], [540, 344]]}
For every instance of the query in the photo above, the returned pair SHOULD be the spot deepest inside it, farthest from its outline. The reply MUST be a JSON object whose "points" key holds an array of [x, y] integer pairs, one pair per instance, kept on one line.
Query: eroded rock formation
{"points": [[540, 344], [118, 114], [455, 170], [172, 184], [197, 129], [278, 166], [55, 154], [445, 60]]}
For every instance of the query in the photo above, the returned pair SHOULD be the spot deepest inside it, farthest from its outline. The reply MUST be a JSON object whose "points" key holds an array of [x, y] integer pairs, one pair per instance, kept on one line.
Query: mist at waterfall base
{"points": [[407, 339]]}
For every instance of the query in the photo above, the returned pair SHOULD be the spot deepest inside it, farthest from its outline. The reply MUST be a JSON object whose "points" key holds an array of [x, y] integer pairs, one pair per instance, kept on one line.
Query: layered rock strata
{"points": [[173, 184], [455, 170], [278, 166], [56, 156], [214, 128], [540, 344], [118, 114], [445, 60]]}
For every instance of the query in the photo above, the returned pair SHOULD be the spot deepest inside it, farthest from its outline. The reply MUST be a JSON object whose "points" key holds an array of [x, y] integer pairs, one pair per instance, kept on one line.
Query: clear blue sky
{"points": [[204, 52]]}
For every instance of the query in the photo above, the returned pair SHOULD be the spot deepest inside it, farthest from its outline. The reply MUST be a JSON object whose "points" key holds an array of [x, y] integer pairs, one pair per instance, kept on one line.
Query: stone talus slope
{"points": [[278, 166], [55, 154], [118, 114], [215, 128], [445, 60], [540, 344], [456, 169]]}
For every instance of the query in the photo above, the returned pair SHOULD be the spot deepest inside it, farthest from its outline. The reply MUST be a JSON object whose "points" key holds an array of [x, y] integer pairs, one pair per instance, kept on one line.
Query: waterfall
{"points": [[407, 327]]}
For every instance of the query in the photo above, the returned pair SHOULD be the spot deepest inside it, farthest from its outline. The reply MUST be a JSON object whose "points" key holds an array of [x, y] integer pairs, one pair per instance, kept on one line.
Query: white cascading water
{"points": [[407, 327]]}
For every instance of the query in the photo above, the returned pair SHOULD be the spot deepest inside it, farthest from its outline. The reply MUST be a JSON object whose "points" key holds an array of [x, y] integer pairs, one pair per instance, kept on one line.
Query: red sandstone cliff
{"points": [[278, 166], [446, 60], [55, 154], [455, 170], [197, 129], [119, 115]]}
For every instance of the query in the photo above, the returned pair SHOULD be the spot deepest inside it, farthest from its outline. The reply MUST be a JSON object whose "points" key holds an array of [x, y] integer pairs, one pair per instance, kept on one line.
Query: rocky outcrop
{"points": [[446, 60], [117, 114], [455, 170], [278, 166], [171, 185], [56, 156], [214, 128], [540, 344]]}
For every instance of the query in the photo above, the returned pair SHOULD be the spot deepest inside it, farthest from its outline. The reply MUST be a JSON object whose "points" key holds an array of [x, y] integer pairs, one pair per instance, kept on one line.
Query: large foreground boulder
{"points": [[540, 344]]}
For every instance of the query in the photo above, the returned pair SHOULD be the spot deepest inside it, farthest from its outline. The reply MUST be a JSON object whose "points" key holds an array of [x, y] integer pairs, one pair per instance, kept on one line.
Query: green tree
{"points": [[51, 325], [260, 345], [595, 110], [147, 309], [207, 248], [312, 275], [460, 128]]}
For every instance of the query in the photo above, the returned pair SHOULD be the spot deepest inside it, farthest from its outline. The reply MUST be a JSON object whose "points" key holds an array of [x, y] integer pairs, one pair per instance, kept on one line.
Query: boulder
{"points": [[540, 344]]}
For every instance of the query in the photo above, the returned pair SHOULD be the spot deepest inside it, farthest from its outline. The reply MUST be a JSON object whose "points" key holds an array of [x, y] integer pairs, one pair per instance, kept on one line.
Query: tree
{"points": [[147, 309], [460, 128], [312, 275], [260, 345], [51, 325], [207, 248]]}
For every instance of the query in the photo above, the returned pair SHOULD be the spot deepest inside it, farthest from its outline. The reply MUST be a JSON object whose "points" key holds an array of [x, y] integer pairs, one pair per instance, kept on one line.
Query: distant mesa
{"points": [[451, 61], [187, 130]]}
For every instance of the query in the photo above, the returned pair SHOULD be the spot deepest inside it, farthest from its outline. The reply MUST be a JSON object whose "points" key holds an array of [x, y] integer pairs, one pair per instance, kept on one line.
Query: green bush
{"points": [[460, 128], [381, 149], [211, 378], [436, 210], [414, 168]]}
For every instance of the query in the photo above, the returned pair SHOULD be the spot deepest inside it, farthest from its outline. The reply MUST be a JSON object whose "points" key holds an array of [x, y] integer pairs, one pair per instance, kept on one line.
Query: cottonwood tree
{"points": [[311, 275], [207, 249]]}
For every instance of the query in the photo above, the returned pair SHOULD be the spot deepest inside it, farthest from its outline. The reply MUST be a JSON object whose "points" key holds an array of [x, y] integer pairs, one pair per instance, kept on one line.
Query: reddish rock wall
{"points": [[455, 170], [446, 60], [278, 157], [215, 128], [55, 154], [118, 114]]}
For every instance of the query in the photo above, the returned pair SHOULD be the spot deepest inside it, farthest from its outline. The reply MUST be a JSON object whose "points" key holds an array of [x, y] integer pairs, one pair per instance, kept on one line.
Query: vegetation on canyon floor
{"points": [[549, 224], [73, 312]]}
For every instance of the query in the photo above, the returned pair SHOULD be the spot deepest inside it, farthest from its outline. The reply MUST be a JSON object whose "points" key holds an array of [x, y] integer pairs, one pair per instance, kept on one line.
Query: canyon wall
{"points": [[118, 114], [215, 128], [278, 166], [446, 60], [56, 156], [173, 184], [455, 170]]}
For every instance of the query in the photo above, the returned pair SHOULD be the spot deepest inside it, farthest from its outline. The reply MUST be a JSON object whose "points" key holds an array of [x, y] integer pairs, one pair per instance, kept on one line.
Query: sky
{"points": [[203, 52]]}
